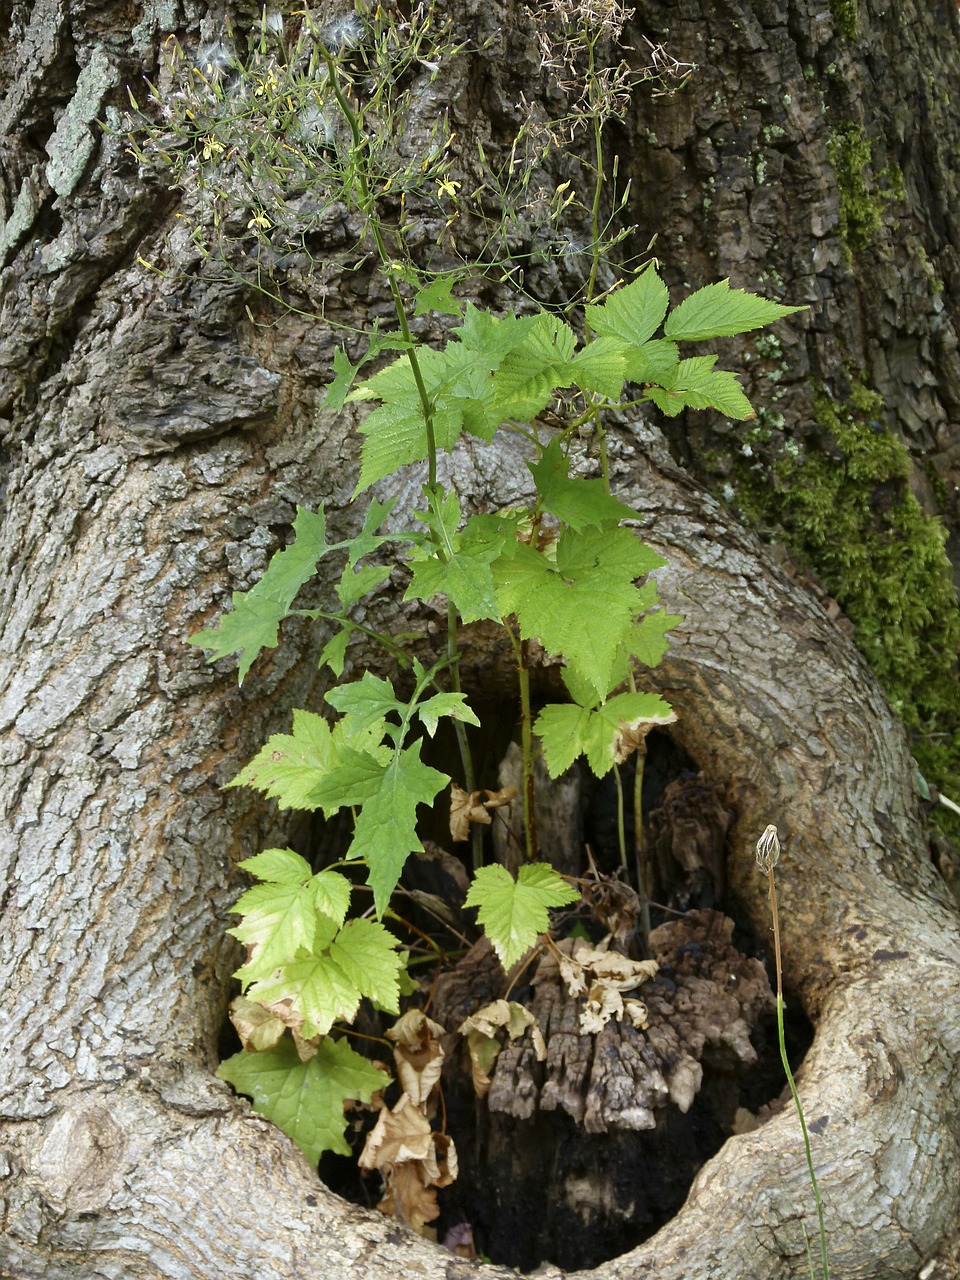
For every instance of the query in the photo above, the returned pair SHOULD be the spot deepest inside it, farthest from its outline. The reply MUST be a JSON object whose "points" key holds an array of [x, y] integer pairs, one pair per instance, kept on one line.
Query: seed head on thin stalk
{"points": [[768, 855]]}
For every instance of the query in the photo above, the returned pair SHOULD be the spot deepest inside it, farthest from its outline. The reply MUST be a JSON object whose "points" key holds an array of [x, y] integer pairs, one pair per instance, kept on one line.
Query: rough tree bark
{"points": [[155, 441]]}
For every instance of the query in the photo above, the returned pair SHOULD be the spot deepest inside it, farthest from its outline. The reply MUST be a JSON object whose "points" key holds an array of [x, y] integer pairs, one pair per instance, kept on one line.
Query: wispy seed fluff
{"points": [[342, 33], [214, 60]]}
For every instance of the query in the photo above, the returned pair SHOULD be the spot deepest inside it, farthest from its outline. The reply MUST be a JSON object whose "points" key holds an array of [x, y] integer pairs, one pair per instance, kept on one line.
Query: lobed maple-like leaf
{"points": [[386, 830], [306, 1099], [462, 573], [567, 730], [579, 503], [253, 624], [592, 577], [514, 912], [279, 915], [288, 766]]}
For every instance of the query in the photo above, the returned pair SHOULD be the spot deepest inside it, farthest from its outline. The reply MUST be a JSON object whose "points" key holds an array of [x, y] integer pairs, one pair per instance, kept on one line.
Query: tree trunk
{"points": [[157, 435]]}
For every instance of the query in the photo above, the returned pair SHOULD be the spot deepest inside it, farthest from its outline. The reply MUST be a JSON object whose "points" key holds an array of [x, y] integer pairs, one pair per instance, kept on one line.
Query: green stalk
{"points": [[528, 786], [640, 853], [768, 853], [369, 206], [621, 826]]}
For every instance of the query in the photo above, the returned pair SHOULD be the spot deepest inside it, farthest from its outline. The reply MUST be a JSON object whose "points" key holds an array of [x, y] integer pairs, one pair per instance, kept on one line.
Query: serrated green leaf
{"points": [[514, 912], [579, 503], [367, 701], [445, 704], [253, 624], [695, 384], [305, 1099], [368, 539], [289, 766], [334, 652], [314, 988], [464, 577], [591, 578], [601, 366], [354, 779], [339, 388], [386, 830], [278, 866], [357, 583], [438, 296], [648, 640], [496, 336], [633, 313], [367, 953], [534, 370], [279, 923], [331, 895], [568, 731], [652, 362], [717, 311]]}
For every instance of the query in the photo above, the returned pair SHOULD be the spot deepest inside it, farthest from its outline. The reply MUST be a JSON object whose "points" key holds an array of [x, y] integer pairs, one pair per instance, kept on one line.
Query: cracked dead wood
{"points": [[155, 439]]}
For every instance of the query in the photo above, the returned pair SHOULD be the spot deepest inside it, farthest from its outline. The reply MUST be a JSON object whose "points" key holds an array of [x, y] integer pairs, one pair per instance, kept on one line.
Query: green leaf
{"points": [[464, 577], [314, 988], [289, 766], [648, 641], [279, 866], [438, 296], [305, 1099], [652, 362], [334, 652], [339, 388], [633, 313], [601, 734], [578, 503], [445, 704], [386, 830], [331, 895], [591, 579], [253, 624], [601, 366], [357, 583], [514, 912], [694, 384], [279, 916], [368, 539], [367, 953], [368, 701], [717, 311], [535, 369]]}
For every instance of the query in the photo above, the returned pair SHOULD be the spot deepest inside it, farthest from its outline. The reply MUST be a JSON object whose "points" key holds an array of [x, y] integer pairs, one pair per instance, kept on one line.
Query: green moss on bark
{"points": [[846, 17], [846, 511]]}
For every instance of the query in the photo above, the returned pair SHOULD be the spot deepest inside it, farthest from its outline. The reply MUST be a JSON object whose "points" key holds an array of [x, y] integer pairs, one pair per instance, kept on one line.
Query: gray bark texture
{"points": [[156, 437]]}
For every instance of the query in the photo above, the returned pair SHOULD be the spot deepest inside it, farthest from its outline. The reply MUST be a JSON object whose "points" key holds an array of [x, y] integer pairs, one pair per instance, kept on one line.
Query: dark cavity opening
{"points": [[578, 1159]]}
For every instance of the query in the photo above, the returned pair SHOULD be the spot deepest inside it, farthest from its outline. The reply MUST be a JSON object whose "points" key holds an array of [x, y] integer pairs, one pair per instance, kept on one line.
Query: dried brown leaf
{"points": [[408, 1198], [418, 1054], [400, 1135], [481, 1031], [465, 809], [256, 1026]]}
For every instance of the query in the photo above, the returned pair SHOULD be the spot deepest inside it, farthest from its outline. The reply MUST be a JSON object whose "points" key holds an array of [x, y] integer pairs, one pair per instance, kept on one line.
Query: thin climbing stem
{"points": [[768, 854]]}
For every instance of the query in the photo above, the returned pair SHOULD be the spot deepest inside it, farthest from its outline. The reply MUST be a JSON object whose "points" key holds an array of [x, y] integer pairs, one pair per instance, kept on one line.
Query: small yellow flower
{"points": [[259, 221], [211, 147], [447, 188]]}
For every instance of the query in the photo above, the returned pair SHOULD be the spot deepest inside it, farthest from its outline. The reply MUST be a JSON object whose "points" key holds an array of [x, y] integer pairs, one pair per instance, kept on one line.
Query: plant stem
{"points": [[528, 787], [789, 1074], [621, 826], [643, 862]]}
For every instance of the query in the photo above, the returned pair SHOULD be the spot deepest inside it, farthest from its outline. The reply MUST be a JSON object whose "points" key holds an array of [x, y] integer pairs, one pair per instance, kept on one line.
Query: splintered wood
{"points": [[701, 1008]]}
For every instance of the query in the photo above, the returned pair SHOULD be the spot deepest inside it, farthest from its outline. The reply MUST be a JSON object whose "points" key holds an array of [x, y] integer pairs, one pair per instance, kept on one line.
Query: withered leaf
{"points": [[468, 808], [418, 1054], [481, 1031], [257, 1027]]}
